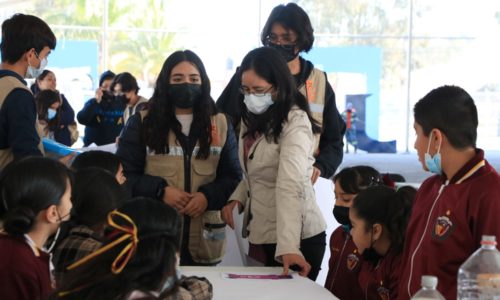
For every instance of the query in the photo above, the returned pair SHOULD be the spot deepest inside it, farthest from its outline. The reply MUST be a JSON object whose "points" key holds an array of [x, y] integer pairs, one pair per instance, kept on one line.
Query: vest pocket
{"points": [[208, 238]]}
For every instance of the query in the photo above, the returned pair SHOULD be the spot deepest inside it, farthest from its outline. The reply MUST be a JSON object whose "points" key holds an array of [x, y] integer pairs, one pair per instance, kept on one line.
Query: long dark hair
{"points": [[44, 99], [27, 187], [35, 87], [153, 261], [161, 115], [272, 67], [354, 179], [386, 206]]}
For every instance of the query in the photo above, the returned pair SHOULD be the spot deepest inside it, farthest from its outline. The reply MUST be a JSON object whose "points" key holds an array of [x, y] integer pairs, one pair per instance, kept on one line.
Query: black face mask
{"points": [[341, 214], [287, 51], [185, 95], [371, 255], [123, 99]]}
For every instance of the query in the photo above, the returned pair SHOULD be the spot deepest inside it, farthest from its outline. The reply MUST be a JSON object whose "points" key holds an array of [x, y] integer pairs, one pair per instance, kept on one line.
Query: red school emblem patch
{"points": [[352, 262], [443, 227]]}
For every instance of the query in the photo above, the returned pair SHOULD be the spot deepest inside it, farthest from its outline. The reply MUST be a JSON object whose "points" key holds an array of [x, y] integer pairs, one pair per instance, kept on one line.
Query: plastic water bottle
{"points": [[428, 290], [479, 275]]}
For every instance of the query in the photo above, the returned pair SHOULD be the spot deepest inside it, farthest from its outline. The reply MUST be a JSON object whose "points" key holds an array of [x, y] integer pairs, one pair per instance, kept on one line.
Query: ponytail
{"points": [[399, 215], [388, 207]]}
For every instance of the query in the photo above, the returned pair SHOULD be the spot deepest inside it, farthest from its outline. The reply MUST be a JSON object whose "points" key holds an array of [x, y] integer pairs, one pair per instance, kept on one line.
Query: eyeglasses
{"points": [[247, 91], [285, 40]]}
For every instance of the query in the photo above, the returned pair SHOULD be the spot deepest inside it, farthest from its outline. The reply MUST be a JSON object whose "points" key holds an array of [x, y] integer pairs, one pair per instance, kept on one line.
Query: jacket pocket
{"points": [[208, 237]]}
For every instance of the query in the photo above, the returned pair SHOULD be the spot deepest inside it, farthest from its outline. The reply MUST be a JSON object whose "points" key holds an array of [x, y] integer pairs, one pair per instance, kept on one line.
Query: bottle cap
{"points": [[489, 240], [429, 281]]}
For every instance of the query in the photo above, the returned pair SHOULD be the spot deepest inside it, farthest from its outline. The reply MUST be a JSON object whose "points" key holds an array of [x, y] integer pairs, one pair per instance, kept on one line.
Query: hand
{"points": [[227, 212], [295, 259], [315, 175], [98, 95], [66, 160], [175, 197], [196, 206]]}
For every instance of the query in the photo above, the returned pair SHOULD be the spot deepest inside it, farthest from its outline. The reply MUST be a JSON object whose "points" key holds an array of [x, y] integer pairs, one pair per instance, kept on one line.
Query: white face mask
{"points": [[33, 72], [258, 104]]}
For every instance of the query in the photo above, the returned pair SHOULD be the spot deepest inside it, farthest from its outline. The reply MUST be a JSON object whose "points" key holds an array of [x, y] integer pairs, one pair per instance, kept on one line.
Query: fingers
{"points": [[227, 215], [315, 175], [294, 259], [305, 268], [286, 268]]}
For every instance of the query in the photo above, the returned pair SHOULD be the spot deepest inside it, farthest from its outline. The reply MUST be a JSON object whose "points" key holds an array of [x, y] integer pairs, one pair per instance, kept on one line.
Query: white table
{"points": [[262, 289]]}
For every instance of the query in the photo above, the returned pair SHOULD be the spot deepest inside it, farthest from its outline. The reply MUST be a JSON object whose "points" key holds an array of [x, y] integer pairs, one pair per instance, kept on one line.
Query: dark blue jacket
{"points": [[18, 121], [132, 152], [66, 117], [103, 121]]}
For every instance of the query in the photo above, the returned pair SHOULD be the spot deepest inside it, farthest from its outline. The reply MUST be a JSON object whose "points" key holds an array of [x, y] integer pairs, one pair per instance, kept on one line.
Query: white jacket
{"points": [[277, 188]]}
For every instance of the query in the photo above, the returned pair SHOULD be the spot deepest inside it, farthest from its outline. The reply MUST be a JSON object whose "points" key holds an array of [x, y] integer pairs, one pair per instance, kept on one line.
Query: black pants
{"points": [[312, 248]]}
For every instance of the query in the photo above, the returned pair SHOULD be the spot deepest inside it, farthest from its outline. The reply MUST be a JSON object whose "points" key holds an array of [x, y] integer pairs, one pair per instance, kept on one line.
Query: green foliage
{"points": [[136, 36]]}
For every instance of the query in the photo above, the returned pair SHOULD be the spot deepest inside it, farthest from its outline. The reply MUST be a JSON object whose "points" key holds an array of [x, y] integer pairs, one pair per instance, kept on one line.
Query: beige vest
{"points": [[314, 89], [126, 112], [207, 240], [7, 85]]}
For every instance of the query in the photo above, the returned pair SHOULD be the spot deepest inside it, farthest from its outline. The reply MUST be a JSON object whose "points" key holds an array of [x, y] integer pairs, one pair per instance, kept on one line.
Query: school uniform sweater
{"points": [[446, 225], [24, 270], [344, 266]]}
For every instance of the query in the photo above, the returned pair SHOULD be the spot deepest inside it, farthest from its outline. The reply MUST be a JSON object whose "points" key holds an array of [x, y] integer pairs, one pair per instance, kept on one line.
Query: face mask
{"points": [[33, 72], [371, 255], [61, 220], [258, 105], [341, 214], [433, 163], [123, 99], [287, 51], [51, 113], [185, 95], [171, 280]]}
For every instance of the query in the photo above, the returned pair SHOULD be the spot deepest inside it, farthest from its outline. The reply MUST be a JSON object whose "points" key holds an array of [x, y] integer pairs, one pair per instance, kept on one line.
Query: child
{"points": [[91, 206], [100, 159], [459, 204], [345, 261], [34, 201], [379, 216], [139, 261]]}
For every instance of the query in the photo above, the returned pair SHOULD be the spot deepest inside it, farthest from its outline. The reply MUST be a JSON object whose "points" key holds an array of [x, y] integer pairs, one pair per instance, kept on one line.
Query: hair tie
{"points": [[129, 233]]}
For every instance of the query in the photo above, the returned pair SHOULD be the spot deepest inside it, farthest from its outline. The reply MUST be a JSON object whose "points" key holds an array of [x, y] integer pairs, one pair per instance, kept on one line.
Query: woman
{"points": [[35, 199], [345, 261], [182, 152], [138, 261], [289, 30], [379, 216], [63, 125], [276, 151]]}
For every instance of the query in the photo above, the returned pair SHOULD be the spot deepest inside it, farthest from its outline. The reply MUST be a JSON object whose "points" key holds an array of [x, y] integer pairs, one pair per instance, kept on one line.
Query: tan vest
{"points": [[314, 89], [207, 241], [7, 85], [126, 112]]}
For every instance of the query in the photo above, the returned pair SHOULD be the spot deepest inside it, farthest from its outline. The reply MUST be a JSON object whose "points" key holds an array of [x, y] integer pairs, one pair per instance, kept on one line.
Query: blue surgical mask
{"points": [[51, 113], [258, 104], [433, 163]]}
